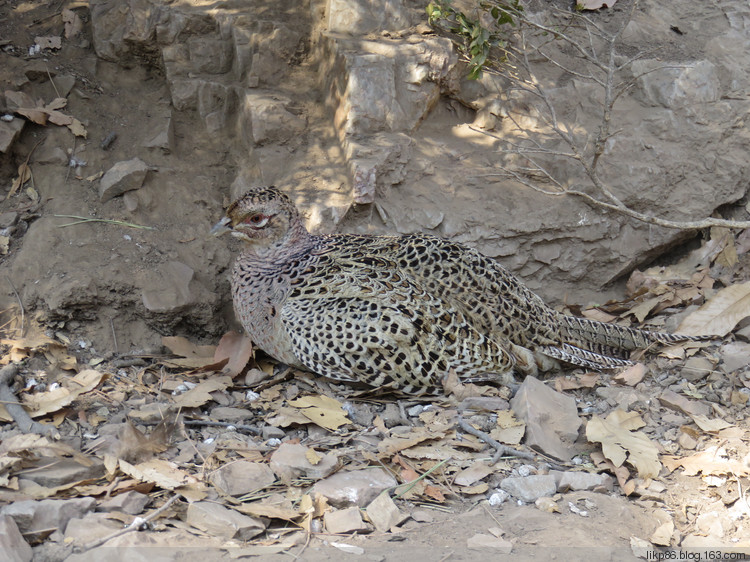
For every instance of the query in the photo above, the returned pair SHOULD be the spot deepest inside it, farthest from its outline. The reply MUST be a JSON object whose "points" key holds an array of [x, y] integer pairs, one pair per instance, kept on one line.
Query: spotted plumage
{"points": [[398, 310]]}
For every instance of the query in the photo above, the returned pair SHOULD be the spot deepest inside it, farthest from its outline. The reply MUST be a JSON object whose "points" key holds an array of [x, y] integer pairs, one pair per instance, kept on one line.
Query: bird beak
{"points": [[221, 227]]}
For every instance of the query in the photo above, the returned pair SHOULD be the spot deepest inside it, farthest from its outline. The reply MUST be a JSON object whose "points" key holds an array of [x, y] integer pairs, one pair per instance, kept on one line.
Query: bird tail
{"points": [[599, 345]]}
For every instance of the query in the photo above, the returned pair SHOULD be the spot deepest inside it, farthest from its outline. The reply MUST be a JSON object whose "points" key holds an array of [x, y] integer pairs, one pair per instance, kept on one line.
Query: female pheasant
{"points": [[398, 310]]}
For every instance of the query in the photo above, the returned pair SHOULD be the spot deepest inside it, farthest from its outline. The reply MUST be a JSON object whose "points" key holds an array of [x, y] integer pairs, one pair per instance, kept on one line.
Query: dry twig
{"points": [[598, 50]]}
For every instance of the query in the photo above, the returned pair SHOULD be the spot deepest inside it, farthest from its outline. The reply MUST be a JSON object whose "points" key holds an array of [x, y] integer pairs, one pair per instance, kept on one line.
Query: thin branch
{"points": [[137, 524], [14, 408]]}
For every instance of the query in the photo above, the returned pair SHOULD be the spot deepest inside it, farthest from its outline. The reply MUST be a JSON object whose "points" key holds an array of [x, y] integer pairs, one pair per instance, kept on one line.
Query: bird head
{"points": [[264, 218]]}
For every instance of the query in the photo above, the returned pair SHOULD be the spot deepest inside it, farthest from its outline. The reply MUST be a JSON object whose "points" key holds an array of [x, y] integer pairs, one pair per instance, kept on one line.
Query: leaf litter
{"points": [[163, 429]]}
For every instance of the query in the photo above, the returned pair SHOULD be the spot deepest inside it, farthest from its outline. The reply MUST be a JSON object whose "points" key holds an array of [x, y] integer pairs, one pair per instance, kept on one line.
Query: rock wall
{"points": [[360, 112]]}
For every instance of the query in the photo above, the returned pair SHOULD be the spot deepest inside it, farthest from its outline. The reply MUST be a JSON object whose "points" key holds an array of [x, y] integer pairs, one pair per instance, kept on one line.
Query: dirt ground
{"points": [[84, 285]]}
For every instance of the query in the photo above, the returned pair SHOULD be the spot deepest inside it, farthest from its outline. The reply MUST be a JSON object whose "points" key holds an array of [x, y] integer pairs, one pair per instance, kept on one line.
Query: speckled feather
{"points": [[399, 310]]}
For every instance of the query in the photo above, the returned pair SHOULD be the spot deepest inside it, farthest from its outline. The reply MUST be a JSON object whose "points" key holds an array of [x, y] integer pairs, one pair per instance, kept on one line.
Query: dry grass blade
{"points": [[108, 221]]}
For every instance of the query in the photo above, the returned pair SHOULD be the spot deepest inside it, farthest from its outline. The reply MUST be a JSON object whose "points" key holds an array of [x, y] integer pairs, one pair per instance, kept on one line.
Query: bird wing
{"points": [[356, 317]]}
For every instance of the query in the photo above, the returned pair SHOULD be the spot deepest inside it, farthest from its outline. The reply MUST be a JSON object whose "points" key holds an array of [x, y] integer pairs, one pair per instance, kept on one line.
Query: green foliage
{"points": [[472, 37]]}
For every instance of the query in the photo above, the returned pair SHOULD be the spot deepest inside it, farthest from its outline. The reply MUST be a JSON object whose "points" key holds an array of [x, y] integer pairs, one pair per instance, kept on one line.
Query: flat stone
{"points": [[697, 368], [356, 487], [13, 547], [384, 513], [229, 414], [734, 356], [484, 403], [32, 516], [530, 488], [91, 527], [241, 477], [551, 418], [50, 155], [272, 432], [173, 291], [163, 136], [290, 461], [671, 399], [480, 541], [8, 219], [343, 521], [576, 480], [53, 472], [131, 502], [216, 519], [9, 131], [123, 176]]}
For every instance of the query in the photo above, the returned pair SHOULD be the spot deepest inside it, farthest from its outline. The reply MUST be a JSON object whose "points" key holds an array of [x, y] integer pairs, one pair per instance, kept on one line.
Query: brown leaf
{"points": [[195, 356], [35, 115], [201, 394], [322, 410], [632, 375], [620, 444], [49, 42], [720, 314], [434, 492], [24, 175], [43, 403], [238, 349]]}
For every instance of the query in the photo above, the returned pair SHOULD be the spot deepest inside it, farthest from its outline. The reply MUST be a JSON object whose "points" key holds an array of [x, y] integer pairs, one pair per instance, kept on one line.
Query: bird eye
{"points": [[255, 219]]}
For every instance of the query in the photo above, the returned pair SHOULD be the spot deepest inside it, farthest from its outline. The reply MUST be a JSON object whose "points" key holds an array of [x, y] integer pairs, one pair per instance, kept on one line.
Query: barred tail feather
{"points": [[583, 357], [605, 339]]}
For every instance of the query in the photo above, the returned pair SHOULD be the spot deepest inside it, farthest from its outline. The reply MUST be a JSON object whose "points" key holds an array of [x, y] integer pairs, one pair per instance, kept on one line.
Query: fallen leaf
{"points": [[720, 314], [49, 42], [632, 375], [24, 175], [165, 474], [474, 473], [631, 421], [322, 410], [620, 444], [201, 394], [710, 425], [194, 356], [43, 403], [235, 347], [313, 456], [713, 461]]}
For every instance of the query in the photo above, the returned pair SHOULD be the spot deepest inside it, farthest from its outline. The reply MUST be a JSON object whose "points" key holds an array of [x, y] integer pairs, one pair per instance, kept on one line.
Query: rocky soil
{"points": [[128, 126]]}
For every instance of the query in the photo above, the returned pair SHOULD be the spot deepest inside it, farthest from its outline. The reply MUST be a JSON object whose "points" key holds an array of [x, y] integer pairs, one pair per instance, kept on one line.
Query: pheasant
{"points": [[402, 311]]}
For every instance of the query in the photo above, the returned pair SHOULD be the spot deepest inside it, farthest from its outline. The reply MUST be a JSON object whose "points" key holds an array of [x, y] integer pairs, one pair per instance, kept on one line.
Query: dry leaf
{"points": [[313, 457], [49, 42], [720, 314], [417, 435], [163, 473], [237, 348], [43, 403], [201, 394], [619, 444], [632, 375], [631, 421], [322, 410], [710, 425], [474, 473], [195, 356], [713, 461], [24, 175]]}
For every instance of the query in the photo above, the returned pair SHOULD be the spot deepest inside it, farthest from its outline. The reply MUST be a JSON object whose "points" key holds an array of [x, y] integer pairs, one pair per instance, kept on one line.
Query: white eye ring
{"points": [[259, 224]]}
